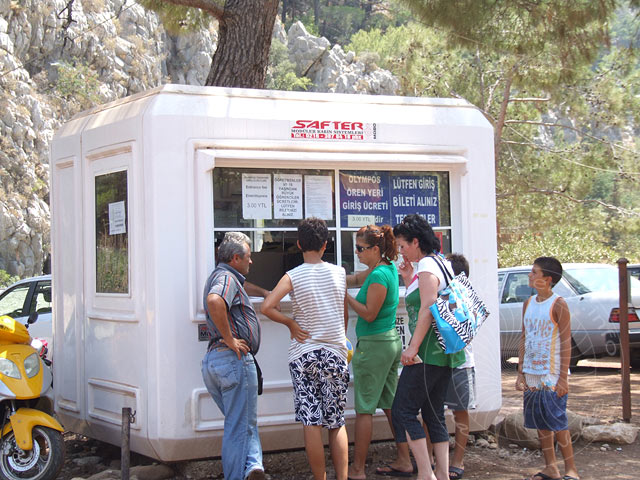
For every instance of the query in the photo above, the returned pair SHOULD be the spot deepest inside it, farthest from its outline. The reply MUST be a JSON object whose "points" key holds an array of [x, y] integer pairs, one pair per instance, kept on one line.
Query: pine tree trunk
{"points": [[244, 39]]}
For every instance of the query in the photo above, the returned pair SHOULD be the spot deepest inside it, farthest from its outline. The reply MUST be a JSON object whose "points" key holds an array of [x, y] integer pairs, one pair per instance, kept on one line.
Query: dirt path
{"points": [[595, 392]]}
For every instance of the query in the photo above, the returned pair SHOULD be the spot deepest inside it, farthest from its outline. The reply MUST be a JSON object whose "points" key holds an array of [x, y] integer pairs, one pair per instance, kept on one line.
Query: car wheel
{"points": [[634, 358]]}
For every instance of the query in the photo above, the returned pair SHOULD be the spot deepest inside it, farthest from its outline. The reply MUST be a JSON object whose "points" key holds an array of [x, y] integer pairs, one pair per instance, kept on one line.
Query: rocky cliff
{"points": [[59, 57]]}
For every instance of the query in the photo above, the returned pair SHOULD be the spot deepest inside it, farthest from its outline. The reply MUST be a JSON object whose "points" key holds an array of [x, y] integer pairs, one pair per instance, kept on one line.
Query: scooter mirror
{"points": [[32, 318]]}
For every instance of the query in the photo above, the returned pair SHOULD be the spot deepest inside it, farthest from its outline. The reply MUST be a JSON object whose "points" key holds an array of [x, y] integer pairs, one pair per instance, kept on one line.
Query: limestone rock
{"points": [[618, 433], [126, 50], [512, 429], [152, 472]]}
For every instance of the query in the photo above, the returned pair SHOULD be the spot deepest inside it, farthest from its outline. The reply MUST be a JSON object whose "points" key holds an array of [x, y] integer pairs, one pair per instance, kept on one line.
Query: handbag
{"points": [[458, 312]]}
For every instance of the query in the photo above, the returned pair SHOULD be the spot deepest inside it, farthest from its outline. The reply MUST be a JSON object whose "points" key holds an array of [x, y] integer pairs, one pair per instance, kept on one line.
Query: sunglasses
{"points": [[360, 248]]}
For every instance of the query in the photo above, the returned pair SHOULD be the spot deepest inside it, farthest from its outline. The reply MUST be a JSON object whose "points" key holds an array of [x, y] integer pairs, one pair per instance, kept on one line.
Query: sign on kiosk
{"points": [[150, 184], [388, 196]]}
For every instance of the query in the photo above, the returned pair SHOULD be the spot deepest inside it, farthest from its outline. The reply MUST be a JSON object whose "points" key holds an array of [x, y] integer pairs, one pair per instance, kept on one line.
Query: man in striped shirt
{"points": [[228, 368]]}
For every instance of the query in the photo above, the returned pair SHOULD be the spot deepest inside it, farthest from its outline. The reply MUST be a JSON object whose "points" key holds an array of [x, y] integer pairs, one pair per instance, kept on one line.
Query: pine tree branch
{"points": [[209, 6], [611, 145], [561, 193], [533, 99]]}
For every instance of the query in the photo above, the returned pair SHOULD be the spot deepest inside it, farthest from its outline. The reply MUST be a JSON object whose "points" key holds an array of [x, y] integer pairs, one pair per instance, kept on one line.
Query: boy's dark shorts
{"points": [[544, 410], [461, 394]]}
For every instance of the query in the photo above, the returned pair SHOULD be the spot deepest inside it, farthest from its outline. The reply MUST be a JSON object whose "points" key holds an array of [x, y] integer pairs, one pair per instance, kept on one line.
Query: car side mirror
{"points": [[33, 318]]}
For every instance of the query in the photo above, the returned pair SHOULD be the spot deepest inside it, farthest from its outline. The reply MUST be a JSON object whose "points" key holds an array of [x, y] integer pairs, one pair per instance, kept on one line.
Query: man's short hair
{"points": [[551, 267], [312, 234], [232, 244]]}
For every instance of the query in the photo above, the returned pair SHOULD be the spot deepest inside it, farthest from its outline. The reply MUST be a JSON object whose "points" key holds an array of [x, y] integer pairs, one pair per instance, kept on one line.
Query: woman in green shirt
{"points": [[376, 359], [427, 369]]}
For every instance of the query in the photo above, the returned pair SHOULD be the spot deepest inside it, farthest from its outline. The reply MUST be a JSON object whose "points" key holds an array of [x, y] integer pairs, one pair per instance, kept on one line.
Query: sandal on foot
{"points": [[542, 476], [392, 472], [455, 473], [569, 477]]}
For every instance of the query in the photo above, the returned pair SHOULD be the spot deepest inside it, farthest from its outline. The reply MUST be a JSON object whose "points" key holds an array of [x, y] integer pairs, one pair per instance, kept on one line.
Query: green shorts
{"points": [[375, 362]]}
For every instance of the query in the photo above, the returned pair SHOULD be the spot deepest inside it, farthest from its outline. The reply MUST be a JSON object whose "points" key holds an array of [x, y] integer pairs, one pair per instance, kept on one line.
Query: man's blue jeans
{"points": [[233, 384]]}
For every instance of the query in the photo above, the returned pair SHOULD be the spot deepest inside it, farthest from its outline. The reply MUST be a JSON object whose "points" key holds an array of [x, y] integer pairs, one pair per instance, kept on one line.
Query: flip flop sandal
{"points": [[542, 476], [569, 477], [392, 472], [455, 473]]}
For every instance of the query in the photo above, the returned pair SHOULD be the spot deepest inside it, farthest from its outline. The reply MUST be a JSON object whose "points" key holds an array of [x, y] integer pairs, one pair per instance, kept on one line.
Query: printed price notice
{"points": [[287, 196], [117, 218], [256, 196]]}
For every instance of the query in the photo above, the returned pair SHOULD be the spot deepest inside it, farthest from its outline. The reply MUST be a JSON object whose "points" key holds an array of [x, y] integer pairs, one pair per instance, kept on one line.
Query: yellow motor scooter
{"points": [[31, 443]]}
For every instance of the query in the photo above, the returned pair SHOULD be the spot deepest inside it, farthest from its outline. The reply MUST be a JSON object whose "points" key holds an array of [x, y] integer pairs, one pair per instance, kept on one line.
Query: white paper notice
{"points": [[117, 218], [318, 197], [287, 196], [256, 195]]}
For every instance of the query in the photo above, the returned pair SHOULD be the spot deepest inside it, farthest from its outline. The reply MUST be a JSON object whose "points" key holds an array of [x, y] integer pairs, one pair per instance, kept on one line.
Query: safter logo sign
{"points": [[333, 130]]}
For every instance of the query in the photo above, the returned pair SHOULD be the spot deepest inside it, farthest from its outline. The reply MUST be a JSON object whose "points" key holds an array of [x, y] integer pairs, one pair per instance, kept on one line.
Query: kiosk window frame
{"points": [[274, 249]]}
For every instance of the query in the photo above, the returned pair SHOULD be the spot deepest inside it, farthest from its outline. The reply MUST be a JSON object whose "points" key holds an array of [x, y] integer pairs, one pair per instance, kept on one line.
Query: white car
{"points": [[26, 297], [591, 292]]}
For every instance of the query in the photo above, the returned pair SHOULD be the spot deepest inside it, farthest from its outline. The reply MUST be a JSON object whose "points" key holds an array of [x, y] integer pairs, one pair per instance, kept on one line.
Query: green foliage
{"points": [[571, 31], [178, 18], [566, 243], [309, 23], [6, 279], [281, 73], [78, 82], [340, 21]]}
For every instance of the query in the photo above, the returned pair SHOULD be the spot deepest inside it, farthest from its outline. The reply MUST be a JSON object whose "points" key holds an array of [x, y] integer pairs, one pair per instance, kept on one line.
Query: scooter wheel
{"points": [[42, 462]]}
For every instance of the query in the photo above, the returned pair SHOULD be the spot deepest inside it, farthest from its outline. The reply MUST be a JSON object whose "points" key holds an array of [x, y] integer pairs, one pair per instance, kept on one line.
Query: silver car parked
{"points": [[591, 292], [28, 296]]}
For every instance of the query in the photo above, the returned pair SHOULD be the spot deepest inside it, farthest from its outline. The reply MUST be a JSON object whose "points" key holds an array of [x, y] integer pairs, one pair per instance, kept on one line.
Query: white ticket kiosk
{"points": [[143, 188]]}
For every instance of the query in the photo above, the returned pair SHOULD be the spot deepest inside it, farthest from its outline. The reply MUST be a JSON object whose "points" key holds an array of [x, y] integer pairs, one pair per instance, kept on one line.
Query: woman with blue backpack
{"points": [[427, 370]]}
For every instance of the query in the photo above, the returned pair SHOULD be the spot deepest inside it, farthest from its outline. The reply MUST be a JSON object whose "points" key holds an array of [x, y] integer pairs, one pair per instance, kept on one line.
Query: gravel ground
{"points": [[595, 392]]}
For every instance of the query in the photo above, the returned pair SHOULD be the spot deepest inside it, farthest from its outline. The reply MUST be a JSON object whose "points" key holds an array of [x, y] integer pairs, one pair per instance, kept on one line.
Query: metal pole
{"points": [[124, 449], [623, 279]]}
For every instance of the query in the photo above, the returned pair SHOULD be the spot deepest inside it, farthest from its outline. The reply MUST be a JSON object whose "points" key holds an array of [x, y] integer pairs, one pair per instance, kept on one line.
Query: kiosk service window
{"points": [[267, 205]]}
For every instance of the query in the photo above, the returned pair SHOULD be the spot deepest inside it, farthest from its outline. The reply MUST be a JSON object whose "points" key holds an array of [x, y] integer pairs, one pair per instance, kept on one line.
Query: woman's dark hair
{"points": [[414, 226], [312, 233], [551, 267], [381, 237]]}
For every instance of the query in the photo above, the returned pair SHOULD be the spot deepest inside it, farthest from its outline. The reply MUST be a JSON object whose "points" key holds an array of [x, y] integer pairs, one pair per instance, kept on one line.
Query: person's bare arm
{"points": [[346, 312], [521, 383], [255, 291], [270, 309], [428, 285], [357, 279], [563, 317], [405, 269], [376, 293], [218, 312]]}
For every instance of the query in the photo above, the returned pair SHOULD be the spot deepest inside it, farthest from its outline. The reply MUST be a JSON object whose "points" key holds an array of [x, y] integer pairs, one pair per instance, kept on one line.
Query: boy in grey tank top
{"points": [[543, 377]]}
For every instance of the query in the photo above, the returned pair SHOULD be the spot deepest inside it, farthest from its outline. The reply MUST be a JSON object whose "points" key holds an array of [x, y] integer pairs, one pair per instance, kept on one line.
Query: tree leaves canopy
{"points": [[571, 30]]}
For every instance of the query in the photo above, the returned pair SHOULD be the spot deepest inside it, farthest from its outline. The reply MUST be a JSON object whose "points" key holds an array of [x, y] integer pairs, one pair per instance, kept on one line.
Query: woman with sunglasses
{"points": [[377, 354], [427, 370]]}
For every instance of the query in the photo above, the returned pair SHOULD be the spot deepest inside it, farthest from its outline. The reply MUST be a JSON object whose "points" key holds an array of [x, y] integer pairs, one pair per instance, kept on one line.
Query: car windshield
{"points": [[586, 280]]}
